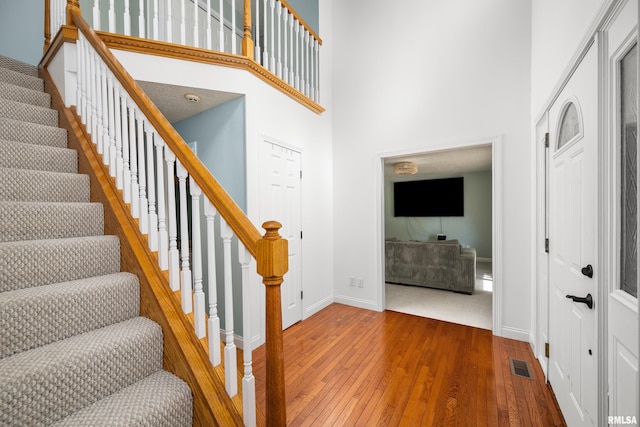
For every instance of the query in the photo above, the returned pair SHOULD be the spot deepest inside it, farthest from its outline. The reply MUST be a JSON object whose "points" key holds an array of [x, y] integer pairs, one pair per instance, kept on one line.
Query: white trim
{"points": [[357, 302], [516, 334], [496, 214], [317, 307]]}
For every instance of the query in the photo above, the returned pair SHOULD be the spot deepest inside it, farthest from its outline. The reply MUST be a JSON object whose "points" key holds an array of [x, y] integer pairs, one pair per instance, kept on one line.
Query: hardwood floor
{"points": [[347, 366]]}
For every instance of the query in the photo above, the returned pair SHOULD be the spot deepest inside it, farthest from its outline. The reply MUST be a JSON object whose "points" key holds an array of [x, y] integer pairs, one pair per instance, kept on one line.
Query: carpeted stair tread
{"points": [[28, 113], [35, 221], [24, 95], [38, 316], [19, 66], [160, 400], [43, 186], [32, 133], [30, 263], [48, 383], [20, 79], [19, 155]]}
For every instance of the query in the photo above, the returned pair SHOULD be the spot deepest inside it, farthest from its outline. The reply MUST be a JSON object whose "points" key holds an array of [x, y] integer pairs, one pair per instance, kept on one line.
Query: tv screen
{"points": [[433, 197]]}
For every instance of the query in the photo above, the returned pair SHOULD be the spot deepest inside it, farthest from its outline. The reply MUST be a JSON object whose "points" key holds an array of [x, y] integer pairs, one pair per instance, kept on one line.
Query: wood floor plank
{"points": [[347, 366]]}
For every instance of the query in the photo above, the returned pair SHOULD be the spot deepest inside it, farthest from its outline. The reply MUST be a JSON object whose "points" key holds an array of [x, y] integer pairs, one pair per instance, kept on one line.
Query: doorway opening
{"points": [[447, 286]]}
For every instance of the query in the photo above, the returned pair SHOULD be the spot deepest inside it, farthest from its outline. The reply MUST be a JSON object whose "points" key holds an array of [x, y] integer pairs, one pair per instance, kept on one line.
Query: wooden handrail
{"points": [[226, 206], [302, 21]]}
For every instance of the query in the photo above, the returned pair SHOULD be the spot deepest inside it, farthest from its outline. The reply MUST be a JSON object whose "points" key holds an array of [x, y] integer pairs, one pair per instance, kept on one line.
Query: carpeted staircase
{"points": [[73, 349]]}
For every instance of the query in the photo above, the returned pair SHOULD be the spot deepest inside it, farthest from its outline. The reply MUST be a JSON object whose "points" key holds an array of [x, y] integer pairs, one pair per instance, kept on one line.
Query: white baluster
{"points": [[221, 27], [126, 166], [103, 145], [96, 15], [141, 21], [265, 43], [272, 59], [230, 374], [163, 233], [133, 160], [296, 27], [196, 24], [233, 28], [302, 59], [214, 321], [257, 49], [209, 35], [151, 187], [285, 42], [199, 313], [156, 24], [117, 114], [308, 38], [112, 16], [185, 279], [279, 38], [142, 174], [169, 24], [95, 99], [109, 157], [99, 136], [248, 380], [127, 19], [80, 60], [291, 77], [82, 111], [183, 23], [317, 56], [174, 255]]}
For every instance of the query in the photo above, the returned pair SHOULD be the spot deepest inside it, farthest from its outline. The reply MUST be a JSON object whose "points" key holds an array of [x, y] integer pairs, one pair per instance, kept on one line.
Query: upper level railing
{"points": [[267, 31], [146, 158]]}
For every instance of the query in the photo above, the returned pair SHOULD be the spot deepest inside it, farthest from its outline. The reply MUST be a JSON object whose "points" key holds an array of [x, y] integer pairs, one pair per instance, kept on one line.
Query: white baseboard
{"points": [[320, 305], [238, 340], [516, 333], [356, 302]]}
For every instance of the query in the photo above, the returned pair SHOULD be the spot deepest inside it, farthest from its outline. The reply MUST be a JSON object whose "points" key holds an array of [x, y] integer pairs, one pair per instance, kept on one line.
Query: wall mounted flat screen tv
{"points": [[433, 197]]}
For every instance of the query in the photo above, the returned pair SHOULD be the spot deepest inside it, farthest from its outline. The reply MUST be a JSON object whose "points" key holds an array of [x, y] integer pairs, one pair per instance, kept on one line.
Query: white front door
{"points": [[280, 200], [573, 271], [621, 57]]}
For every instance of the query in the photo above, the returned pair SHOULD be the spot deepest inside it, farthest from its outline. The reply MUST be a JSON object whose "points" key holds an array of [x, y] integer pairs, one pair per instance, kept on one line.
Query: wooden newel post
{"points": [[247, 42], [272, 255], [72, 4]]}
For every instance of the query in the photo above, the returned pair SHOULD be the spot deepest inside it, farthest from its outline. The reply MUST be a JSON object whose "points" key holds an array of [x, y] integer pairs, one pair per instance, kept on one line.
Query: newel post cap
{"points": [[272, 254]]}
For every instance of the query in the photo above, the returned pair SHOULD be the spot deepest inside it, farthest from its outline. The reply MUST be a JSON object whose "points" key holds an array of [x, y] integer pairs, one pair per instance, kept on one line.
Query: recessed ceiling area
{"points": [[442, 163], [171, 101]]}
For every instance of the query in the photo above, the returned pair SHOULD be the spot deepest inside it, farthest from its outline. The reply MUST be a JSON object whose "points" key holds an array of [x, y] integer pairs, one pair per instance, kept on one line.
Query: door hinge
{"points": [[546, 245], [300, 234], [546, 140], [300, 173], [301, 294], [546, 350]]}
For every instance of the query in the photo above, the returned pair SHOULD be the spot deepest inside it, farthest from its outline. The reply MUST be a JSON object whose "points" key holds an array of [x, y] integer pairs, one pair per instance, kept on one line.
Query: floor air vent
{"points": [[520, 368]]}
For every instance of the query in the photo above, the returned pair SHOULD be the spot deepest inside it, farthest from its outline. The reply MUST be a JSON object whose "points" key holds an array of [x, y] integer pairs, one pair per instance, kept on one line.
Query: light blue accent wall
{"points": [[22, 25], [220, 136], [472, 230], [309, 11]]}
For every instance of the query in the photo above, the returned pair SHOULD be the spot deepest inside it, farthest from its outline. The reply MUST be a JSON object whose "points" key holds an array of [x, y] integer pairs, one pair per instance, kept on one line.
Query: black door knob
{"points": [[586, 300], [588, 271]]}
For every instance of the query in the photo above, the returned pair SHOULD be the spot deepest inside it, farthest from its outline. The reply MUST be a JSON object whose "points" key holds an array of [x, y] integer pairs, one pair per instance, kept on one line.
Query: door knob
{"points": [[586, 300], [588, 271]]}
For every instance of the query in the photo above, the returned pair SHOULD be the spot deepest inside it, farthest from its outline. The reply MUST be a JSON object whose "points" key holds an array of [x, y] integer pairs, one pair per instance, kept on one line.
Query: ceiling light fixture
{"points": [[192, 97], [405, 168]]}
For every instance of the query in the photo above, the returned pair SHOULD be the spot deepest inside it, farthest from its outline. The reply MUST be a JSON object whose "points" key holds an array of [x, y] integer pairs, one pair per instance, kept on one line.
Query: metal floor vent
{"points": [[520, 368]]}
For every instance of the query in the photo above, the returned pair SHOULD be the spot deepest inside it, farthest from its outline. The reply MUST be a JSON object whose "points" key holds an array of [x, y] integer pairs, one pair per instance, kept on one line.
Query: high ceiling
{"points": [[442, 163]]}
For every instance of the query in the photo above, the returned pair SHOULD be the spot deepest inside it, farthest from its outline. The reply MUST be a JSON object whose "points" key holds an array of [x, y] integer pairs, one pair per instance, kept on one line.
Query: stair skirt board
{"points": [[73, 349]]}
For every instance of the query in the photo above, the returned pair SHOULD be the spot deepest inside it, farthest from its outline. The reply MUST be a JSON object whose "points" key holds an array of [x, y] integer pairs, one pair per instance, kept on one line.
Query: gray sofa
{"points": [[440, 264]]}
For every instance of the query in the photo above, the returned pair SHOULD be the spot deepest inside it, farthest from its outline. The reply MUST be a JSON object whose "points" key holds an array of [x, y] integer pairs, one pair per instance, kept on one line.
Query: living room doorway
{"points": [[431, 290]]}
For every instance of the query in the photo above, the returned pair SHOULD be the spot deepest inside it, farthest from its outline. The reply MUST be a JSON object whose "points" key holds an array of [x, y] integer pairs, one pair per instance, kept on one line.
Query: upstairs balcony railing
{"points": [[269, 32]]}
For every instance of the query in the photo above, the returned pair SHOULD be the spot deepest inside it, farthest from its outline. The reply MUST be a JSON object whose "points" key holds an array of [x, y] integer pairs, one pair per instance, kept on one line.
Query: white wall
{"points": [[421, 74], [557, 29], [272, 114]]}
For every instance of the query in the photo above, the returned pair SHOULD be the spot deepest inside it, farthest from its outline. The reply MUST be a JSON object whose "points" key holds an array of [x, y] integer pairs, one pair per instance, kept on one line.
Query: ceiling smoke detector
{"points": [[191, 97]]}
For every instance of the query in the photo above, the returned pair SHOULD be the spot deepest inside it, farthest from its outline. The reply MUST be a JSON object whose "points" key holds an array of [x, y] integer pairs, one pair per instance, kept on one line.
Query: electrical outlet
{"points": [[352, 281], [360, 282]]}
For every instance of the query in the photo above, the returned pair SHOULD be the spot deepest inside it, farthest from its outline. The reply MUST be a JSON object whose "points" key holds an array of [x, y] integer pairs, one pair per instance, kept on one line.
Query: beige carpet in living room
{"points": [[471, 310]]}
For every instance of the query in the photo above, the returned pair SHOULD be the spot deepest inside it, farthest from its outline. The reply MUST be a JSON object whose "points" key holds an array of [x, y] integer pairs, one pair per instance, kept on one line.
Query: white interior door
{"points": [[573, 241], [622, 280], [281, 201]]}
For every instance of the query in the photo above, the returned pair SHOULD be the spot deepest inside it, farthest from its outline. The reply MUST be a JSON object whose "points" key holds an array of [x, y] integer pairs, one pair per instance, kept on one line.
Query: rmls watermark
{"points": [[622, 420]]}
